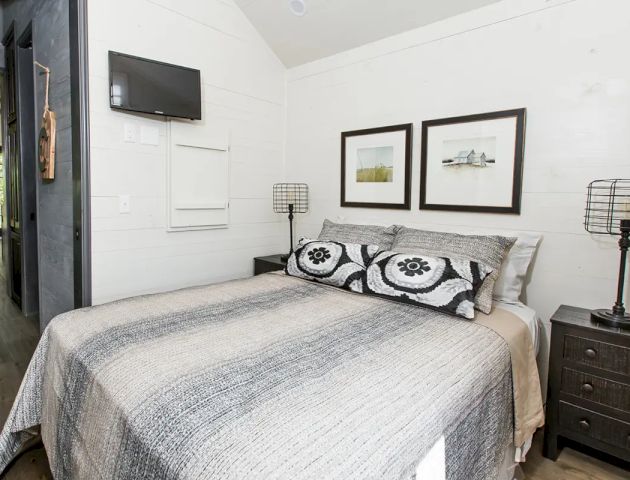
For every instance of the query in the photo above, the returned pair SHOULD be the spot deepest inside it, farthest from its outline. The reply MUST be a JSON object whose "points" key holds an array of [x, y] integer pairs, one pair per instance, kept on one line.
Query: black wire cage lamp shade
{"points": [[608, 213], [290, 198]]}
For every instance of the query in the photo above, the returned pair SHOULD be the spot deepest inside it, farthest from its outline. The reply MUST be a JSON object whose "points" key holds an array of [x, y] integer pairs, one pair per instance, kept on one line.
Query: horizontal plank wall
{"points": [[559, 59], [243, 90]]}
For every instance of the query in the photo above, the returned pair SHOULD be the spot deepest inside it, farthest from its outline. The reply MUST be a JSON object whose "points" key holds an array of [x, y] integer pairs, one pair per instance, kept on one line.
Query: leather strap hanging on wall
{"points": [[47, 136]]}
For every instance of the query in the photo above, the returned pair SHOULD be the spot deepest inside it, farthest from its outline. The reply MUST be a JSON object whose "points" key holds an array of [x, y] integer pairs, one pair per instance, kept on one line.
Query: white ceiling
{"points": [[332, 26]]}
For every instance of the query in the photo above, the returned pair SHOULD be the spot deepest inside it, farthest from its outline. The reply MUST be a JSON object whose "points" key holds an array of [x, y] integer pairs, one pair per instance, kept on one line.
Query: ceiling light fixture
{"points": [[297, 7]]}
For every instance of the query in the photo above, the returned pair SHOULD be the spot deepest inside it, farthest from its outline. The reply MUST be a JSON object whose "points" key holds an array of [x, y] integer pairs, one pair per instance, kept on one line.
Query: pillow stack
{"points": [[488, 250], [449, 272]]}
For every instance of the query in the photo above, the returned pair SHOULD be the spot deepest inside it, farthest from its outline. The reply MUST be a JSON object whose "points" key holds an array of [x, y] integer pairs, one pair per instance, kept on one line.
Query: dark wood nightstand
{"points": [[588, 397], [270, 263]]}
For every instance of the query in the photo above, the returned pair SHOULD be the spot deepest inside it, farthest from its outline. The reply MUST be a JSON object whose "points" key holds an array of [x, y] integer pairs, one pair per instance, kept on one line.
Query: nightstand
{"points": [[588, 397], [269, 263]]}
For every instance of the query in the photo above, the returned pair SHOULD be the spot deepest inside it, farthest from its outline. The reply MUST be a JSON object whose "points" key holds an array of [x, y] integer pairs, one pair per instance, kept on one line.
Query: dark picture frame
{"points": [[519, 145], [406, 204]]}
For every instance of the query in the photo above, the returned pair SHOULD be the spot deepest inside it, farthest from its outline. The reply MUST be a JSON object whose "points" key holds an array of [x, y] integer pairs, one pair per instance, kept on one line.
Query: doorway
{"points": [[20, 226]]}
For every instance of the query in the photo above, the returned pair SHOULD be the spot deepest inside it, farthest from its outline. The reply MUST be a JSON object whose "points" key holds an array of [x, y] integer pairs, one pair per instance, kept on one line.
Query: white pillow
{"points": [[509, 284]]}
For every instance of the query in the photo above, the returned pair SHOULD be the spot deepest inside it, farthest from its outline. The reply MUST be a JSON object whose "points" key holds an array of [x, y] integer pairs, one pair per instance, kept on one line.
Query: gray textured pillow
{"points": [[489, 250], [361, 234]]}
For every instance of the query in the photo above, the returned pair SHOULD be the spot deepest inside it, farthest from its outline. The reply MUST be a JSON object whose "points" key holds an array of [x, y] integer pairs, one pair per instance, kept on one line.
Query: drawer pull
{"points": [[584, 424], [590, 353], [587, 387]]}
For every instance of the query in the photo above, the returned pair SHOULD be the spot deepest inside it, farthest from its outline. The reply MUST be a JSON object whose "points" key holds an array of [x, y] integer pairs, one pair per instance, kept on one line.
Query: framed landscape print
{"points": [[473, 163], [376, 167]]}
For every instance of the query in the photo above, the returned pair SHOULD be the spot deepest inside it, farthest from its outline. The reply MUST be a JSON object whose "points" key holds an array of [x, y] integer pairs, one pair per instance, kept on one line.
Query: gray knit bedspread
{"points": [[263, 378]]}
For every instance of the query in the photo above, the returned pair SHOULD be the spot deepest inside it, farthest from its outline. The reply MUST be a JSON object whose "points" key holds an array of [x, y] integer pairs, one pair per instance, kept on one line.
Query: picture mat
{"points": [[467, 185], [376, 192]]}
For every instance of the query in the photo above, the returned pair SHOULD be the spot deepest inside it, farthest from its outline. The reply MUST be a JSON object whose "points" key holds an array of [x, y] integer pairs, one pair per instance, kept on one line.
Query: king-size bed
{"points": [[278, 377]]}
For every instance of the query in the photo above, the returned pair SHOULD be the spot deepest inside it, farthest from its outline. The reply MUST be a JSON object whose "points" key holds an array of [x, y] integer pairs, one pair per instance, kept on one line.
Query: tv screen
{"points": [[142, 85]]}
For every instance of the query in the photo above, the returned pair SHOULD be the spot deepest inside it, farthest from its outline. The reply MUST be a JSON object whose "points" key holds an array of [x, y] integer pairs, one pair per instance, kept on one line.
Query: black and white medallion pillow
{"points": [[333, 263], [442, 283]]}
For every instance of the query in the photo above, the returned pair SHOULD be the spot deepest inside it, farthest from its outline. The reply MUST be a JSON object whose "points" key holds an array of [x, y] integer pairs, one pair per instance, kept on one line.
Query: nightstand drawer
{"points": [[596, 389], [599, 427], [606, 356]]}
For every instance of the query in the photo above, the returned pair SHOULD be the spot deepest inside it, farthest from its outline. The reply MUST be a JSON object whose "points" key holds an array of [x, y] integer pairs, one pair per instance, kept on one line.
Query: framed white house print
{"points": [[376, 167], [473, 163]]}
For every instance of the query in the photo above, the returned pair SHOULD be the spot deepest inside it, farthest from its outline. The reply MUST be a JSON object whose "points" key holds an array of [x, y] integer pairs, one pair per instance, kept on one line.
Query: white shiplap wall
{"points": [[243, 89], [562, 60]]}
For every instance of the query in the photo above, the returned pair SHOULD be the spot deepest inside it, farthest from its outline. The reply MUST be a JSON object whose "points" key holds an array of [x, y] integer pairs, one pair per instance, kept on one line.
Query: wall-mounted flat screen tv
{"points": [[147, 86]]}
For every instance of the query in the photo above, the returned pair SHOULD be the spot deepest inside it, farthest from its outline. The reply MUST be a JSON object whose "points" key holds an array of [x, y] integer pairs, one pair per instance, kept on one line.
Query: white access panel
{"points": [[198, 179]]}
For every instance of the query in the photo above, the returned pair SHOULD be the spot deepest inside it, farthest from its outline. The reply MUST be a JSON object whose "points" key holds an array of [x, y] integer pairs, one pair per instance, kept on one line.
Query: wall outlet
{"points": [[124, 204], [131, 133]]}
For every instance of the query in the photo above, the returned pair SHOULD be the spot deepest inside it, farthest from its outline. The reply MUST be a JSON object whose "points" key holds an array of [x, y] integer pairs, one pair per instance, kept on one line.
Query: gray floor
{"points": [[18, 338]]}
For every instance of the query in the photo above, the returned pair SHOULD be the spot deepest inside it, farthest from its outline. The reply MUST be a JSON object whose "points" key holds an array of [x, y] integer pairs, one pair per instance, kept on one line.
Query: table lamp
{"points": [[608, 213], [290, 198]]}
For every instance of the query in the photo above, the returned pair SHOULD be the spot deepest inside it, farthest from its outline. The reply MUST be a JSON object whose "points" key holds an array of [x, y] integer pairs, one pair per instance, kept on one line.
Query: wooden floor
{"points": [[571, 465], [18, 338]]}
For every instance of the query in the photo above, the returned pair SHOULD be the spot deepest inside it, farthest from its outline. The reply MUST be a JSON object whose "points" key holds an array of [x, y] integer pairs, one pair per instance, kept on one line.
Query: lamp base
{"points": [[607, 317]]}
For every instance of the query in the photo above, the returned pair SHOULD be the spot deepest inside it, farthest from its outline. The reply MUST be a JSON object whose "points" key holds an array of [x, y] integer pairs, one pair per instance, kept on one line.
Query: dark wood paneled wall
{"points": [[51, 47]]}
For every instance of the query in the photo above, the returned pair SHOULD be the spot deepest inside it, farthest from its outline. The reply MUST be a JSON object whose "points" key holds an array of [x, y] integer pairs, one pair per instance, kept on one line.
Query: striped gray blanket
{"points": [[268, 377]]}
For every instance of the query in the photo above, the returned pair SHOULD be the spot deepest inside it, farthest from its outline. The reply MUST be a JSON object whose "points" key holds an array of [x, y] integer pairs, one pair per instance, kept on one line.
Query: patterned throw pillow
{"points": [[445, 284], [333, 263], [489, 250]]}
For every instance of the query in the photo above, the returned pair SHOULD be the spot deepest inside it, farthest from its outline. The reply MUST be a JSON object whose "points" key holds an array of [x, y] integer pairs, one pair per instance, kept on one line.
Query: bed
{"points": [[432, 466], [276, 377]]}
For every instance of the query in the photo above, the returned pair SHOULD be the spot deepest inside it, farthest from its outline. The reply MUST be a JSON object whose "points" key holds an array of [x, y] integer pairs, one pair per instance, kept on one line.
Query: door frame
{"points": [[26, 118], [79, 109], [8, 38]]}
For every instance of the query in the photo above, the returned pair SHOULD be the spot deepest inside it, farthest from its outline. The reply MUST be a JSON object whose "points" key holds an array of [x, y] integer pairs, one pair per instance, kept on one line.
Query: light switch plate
{"points": [[149, 135], [131, 133], [124, 204]]}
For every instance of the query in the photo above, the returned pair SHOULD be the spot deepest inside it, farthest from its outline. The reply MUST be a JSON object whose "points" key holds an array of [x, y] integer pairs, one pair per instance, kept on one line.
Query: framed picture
{"points": [[473, 163], [376, 167]]}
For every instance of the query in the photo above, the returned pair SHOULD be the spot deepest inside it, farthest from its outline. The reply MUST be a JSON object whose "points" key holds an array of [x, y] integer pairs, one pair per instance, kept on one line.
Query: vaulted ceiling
{"points": [[332, 26]]}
